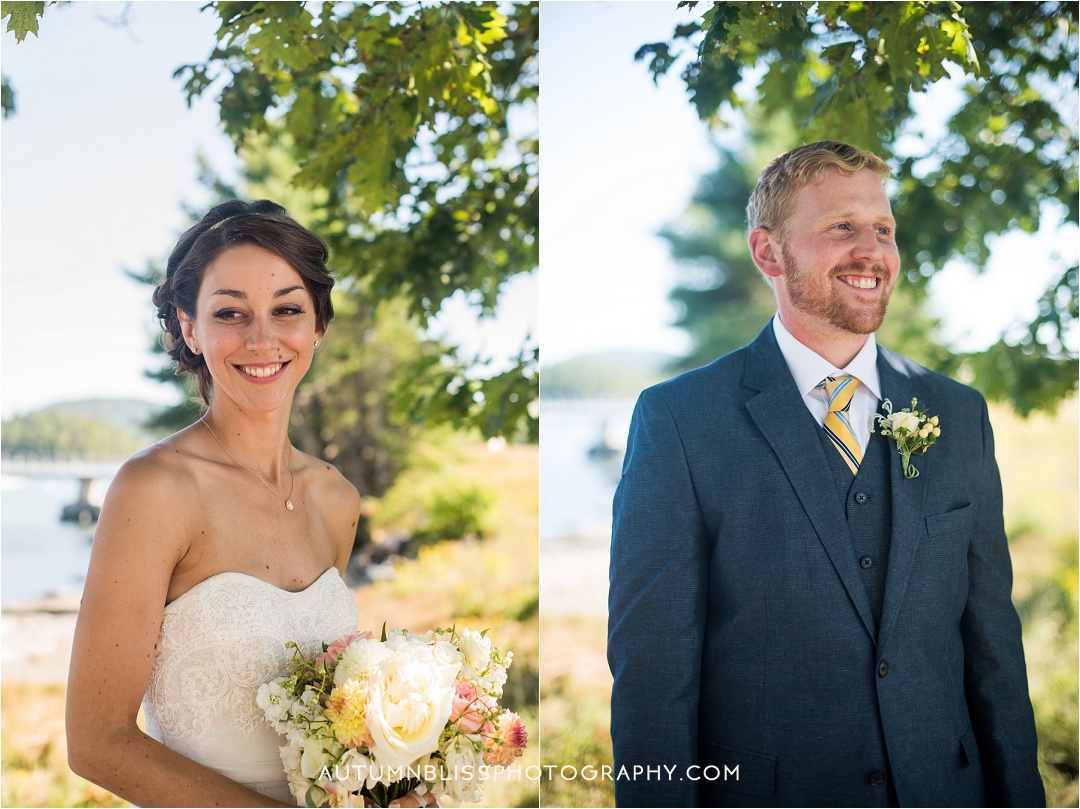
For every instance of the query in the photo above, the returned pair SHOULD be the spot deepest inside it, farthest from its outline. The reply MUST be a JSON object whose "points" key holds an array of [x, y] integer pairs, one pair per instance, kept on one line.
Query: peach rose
{"points": [[334, 650], [470, 709]]}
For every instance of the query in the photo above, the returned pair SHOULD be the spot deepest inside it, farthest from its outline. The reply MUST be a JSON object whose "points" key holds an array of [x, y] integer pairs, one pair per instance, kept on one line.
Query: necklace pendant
{"points": [[288, 505]]}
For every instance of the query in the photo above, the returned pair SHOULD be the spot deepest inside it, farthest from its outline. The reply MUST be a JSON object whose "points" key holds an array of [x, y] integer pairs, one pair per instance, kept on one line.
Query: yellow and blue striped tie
{"points": [[839, 390]]}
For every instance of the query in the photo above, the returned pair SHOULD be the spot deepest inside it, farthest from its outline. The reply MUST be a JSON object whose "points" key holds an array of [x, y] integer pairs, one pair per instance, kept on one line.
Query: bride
{"points": [[219, 543]]}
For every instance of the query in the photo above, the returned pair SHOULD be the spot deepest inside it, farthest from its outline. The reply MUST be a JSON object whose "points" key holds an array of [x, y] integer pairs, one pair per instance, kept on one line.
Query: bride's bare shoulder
{"points": [[150, 516], [335, 498], [161, 474], [330, 484]]}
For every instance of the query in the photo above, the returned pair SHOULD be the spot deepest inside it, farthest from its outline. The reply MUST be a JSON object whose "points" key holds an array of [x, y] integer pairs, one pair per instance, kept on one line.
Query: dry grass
{"points": [[1040, 474], [35, 771], [575, 718]]}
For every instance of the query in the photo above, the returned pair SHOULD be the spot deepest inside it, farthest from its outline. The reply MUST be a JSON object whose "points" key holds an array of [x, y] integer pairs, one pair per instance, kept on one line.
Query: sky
{"points": [[95, 164], [620, 159], [102, 152]]}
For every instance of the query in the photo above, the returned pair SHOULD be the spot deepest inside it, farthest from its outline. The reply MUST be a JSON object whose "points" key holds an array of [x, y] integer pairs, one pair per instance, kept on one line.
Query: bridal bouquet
{"points": [[378, 718]]}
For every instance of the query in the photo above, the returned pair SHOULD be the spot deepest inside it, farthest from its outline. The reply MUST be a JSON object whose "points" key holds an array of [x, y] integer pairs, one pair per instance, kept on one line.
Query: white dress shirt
{"points": [[808, 369]]}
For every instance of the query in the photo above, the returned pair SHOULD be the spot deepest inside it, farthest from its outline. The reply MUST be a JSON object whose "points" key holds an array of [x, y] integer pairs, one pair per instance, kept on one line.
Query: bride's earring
{"points": [[316, 344]]}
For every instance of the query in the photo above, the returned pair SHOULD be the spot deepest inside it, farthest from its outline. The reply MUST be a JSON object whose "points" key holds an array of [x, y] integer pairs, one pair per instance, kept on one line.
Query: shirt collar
{"points": [[808, 368]]}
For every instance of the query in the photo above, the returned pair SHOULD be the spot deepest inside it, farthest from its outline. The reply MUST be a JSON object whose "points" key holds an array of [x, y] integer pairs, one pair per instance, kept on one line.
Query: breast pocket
{"points": [[959, 520]]}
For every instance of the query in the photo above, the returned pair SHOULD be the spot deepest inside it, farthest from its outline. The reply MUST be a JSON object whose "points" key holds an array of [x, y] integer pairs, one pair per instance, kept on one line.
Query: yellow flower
{"points": [[345, 708]]}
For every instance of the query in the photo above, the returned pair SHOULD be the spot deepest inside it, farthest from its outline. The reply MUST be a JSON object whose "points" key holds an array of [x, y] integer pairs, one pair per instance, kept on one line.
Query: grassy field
{"points": [[1039, 469], [485, 583]]}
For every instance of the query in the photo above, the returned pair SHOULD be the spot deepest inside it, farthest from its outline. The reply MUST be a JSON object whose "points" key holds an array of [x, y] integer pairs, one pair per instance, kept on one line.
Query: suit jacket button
{"points": [[877, 779], [861, 497], [883, 668], [866, 563]]}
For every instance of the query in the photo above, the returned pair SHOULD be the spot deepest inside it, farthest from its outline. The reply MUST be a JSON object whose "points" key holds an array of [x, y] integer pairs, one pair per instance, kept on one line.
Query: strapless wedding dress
{"points": [[219, 642]]}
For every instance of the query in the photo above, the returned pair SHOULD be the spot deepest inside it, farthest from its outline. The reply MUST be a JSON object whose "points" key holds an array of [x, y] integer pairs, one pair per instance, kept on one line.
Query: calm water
{"points": [[38, 553], [41, 555], [576, 489]]}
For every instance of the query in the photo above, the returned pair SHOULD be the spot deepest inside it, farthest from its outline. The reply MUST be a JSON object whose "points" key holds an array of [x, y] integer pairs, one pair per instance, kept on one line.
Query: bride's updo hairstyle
{"points": [[231, 224]]}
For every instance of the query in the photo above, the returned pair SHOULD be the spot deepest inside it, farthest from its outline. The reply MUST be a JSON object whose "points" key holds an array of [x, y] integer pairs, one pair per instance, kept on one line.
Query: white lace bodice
{"points": [[218, 643]]}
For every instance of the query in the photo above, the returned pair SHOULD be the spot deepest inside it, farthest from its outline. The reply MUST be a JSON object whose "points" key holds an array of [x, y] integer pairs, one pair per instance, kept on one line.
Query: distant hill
{"points": [[57, 433], [607, 374], [128, 415]]}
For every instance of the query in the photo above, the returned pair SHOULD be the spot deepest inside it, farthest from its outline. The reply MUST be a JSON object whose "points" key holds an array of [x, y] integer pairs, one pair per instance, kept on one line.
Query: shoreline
{"points": [[574, 575], [36, 634]]}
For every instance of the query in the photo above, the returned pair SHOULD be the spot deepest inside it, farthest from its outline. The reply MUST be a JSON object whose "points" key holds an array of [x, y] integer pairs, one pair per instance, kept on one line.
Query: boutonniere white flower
{"points": [[913, 431]]}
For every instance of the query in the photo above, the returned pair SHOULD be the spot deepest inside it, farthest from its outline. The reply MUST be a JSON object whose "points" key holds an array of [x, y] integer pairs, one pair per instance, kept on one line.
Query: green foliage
{"points": [[343, 411], [22, 18], [457, 509], [403, 122], [721, 297], [7, 97], [853, 71], [436, 389], [430, 505], [65, 435]]}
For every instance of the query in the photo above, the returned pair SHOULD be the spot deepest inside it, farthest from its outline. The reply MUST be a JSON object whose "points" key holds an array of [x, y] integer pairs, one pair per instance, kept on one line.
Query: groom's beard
{"points": [[821, 299]]}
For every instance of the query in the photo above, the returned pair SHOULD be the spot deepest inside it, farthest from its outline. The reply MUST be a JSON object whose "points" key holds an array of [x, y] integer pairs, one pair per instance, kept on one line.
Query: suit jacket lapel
{"points": [[907, 496], [782, 417]]}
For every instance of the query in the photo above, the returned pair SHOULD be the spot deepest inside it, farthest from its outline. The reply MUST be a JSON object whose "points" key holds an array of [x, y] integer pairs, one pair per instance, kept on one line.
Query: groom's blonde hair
{"points": [[772, 199]]}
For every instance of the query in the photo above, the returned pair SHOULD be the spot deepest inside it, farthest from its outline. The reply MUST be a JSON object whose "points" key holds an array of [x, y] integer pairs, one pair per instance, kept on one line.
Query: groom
{"points": [[793, 622]]}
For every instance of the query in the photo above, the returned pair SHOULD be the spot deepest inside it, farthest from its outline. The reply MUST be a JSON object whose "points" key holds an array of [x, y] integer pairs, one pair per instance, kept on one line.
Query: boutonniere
{"points": [[912, 430]]}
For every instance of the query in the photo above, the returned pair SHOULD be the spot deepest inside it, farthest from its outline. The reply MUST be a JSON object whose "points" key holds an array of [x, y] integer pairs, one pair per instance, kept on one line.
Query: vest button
{"points": [[877, 779], [883, 668], [866, 563], [861, 497]]}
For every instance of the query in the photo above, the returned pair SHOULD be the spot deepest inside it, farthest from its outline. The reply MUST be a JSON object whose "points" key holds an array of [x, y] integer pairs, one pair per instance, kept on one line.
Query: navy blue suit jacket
{"points": [[748, 668]]}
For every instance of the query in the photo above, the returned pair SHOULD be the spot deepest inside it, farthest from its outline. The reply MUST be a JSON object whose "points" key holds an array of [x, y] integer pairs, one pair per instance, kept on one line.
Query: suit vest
{"points": [[867, 500]]}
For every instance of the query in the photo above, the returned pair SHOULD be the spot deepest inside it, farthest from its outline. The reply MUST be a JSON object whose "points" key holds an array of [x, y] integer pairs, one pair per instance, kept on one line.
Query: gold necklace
{"points": [[292, 472]]}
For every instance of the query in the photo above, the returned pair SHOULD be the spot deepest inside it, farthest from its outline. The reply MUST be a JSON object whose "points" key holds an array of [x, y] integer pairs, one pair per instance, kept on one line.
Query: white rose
{"points": [[446, 654], [432, 635], [315, 758], [476, 648], [432, 772], [353, 771], [359, 660], [400, 640], [447, 660], [346, 800], [903, 421], [290, 757], [463, 771], [408, 706]]}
